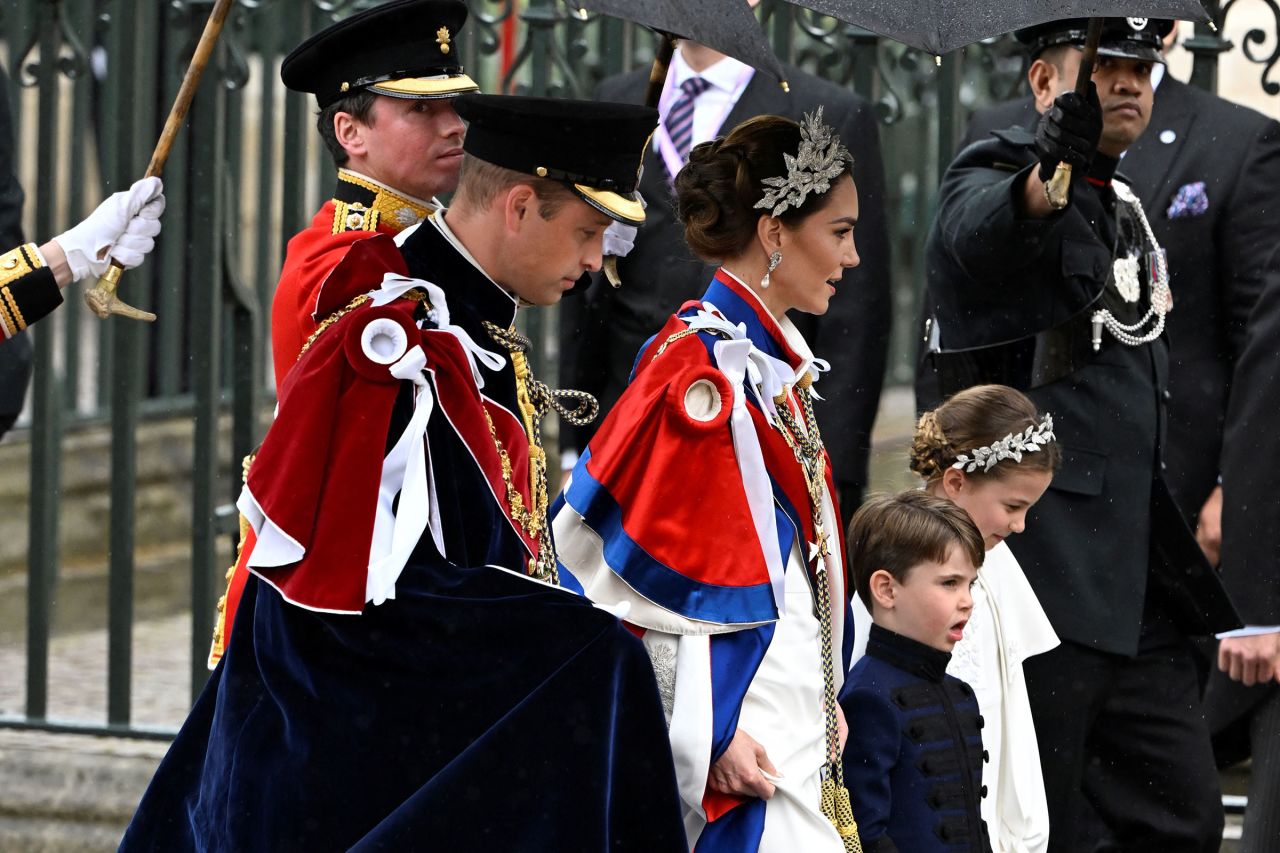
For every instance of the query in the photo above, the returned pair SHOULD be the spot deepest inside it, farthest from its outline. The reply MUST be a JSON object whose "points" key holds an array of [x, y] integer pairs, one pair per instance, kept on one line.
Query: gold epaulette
{"points": [[361, 204], [14, 265]]}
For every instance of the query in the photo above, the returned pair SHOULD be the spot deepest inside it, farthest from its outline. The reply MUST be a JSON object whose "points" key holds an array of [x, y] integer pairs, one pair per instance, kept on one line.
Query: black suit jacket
{"points": [[995, 276], [604, 328], [1251, 465], [1250, 501], [1216, 259]]}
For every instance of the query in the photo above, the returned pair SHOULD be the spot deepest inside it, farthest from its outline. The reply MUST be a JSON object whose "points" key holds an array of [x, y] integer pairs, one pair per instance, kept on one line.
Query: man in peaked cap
{"points": [[406, 673], [1069, 305], [385, 80], [1206, 169], [578, 170]]}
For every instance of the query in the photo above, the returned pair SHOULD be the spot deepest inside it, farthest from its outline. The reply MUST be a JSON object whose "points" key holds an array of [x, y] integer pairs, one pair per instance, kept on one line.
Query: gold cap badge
{"points": [[442, 39]]}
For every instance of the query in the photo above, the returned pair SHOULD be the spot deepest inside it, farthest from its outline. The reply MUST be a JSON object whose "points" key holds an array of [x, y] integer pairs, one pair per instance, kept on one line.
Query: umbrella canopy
{"points": [[941, 26], [728, 26]]}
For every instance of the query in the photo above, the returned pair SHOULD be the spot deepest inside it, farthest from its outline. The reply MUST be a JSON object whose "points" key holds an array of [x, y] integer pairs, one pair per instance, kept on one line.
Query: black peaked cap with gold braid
{"points": [[403, 49], [593, 147]]}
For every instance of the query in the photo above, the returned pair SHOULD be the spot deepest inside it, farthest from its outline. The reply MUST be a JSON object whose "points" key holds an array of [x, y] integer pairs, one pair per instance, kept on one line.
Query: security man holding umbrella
{"points": [[1069, 303]]}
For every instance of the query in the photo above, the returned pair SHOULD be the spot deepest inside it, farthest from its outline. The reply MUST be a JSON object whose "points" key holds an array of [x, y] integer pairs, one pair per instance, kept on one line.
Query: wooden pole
{"points": [[101, 298]]}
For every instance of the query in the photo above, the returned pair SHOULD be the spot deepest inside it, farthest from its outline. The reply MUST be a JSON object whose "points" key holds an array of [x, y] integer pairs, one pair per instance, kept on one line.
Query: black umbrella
{"points": [[941, 26], [728, 26]]}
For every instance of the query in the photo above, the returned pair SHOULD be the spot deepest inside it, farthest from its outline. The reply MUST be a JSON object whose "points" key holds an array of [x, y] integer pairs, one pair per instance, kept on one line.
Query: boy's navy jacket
{"points": [[914, 760]]}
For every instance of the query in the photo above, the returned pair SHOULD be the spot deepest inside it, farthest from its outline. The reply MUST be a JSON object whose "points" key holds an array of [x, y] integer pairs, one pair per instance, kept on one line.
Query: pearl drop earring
{"points": [[774, 260]]}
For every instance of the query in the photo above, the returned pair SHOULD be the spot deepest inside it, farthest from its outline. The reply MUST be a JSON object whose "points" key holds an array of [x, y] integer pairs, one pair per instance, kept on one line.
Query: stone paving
{"points": [[72, 793], [77, 675]]}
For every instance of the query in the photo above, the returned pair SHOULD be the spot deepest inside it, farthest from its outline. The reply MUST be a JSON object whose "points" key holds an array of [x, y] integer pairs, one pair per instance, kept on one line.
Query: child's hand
{"points": [[738, 769]]}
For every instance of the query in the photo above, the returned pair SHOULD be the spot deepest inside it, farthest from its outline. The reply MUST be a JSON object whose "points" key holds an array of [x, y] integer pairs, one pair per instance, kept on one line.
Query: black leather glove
{"points": [[1069, 131]]}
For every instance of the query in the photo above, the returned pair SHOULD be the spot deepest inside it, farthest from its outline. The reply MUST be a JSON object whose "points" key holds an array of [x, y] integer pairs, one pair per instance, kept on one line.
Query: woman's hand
{"points": [[738, 769]]}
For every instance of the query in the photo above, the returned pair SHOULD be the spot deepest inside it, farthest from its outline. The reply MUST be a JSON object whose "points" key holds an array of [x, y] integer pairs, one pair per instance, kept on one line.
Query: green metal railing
{"points": [[92, 81]]}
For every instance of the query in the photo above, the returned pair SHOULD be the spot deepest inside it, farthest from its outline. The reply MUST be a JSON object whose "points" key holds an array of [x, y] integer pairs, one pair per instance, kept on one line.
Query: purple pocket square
{"points": [[1190, 200]]}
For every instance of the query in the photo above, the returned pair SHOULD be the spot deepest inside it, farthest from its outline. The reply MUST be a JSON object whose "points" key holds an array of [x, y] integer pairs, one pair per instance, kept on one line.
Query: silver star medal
{"points": [[1126, 278], [406, 217]]}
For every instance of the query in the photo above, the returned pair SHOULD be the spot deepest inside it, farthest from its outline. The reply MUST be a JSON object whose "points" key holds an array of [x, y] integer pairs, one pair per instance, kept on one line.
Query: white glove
{"points": [[619, 239], [123, 227]]}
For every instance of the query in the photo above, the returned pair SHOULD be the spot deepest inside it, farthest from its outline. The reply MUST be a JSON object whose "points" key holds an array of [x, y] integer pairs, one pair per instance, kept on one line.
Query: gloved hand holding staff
{"points": [[1073, 116], [101, 298]]}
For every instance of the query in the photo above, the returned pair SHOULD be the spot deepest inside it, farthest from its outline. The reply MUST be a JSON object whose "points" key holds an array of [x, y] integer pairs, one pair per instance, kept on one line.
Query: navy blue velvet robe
{"points": [[475, 711]]}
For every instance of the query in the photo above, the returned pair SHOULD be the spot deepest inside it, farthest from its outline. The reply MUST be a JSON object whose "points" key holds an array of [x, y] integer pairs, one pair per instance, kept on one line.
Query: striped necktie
{"points": [[679, 119]]}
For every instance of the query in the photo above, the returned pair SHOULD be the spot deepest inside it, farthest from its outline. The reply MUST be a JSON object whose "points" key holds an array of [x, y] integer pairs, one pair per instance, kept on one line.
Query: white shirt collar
{"points": [[437, 219], [724, 75]]}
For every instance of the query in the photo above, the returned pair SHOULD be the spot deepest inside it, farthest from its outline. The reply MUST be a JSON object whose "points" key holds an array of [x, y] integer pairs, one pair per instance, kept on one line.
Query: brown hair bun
{"points": [[717, 190]]}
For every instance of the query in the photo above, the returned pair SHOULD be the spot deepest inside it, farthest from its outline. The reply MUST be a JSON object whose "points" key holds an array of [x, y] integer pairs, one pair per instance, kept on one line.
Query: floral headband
{"points": [[822, 158], [1012, 446]]}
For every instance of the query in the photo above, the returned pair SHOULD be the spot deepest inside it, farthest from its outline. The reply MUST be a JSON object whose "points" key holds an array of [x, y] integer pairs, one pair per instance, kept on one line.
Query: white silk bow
{"points": [[394, 286]]}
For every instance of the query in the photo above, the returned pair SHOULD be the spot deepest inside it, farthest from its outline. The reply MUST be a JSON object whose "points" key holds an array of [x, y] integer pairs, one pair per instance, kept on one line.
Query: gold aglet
{"points": [[102, 299], [611, 270], [1058, 191]]}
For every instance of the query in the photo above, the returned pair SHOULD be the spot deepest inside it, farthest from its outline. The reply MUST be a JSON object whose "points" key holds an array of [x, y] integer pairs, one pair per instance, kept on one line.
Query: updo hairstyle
{"points": [[978, 417], [717, 190]]}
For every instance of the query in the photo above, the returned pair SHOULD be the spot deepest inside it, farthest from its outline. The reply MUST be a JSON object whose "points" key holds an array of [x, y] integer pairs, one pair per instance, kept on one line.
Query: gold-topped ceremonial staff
{"points": [[1058, 190], [101, 298]]}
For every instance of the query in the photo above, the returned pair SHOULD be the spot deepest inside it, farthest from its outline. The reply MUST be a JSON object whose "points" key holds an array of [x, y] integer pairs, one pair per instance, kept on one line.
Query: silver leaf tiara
{"points": [[1012, 446], [822, 158]]}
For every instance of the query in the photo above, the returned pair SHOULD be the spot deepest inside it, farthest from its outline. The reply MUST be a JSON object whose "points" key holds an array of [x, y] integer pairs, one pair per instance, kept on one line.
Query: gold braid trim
{"points": [[353, 216], [533, 519], [11, 326], [806, 443], [331, 319], [388, 206], [14, 264], [415, 295], [218, 644], [672, 339], [535, 399]]}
